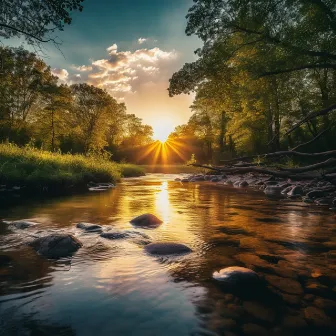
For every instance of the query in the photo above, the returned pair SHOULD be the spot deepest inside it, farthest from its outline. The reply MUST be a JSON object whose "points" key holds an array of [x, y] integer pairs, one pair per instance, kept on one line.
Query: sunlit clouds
{"points": [[139, 78]]}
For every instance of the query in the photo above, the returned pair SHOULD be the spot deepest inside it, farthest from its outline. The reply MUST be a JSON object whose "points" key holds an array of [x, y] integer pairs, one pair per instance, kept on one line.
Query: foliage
{"points": [[38, 169], [262, 68], [36, 20]]}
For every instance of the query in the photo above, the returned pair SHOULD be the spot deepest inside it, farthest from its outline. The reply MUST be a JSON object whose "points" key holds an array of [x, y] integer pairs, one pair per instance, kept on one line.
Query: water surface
{"points": [[115, 288]]}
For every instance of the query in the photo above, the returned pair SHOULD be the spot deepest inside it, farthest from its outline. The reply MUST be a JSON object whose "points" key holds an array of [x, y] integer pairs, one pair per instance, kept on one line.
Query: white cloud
{"points": [[62, 74], [142, 40]]}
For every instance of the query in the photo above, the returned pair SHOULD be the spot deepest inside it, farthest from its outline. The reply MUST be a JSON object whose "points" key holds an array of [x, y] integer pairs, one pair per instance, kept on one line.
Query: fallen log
{"points": [[283, 153]]}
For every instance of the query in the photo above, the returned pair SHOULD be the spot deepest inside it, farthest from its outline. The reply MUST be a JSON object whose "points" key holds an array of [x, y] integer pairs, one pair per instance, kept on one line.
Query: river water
{"points": [[112, 287]]}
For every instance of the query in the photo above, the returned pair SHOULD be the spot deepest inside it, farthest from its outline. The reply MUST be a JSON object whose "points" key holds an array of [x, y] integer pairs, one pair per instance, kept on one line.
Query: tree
{"points": [[36, 20]]}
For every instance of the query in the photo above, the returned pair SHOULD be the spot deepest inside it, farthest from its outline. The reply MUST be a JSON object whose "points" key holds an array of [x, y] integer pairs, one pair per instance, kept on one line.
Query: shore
{"points": [[315, 191]]}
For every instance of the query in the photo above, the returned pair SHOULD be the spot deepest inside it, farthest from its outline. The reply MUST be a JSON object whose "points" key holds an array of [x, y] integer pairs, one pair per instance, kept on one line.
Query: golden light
{"points": [[161, 129]]}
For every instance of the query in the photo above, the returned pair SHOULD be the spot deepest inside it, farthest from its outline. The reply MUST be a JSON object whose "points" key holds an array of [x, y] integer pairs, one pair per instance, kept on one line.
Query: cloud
{"points": [[140, 78], [142, 40], [62, 74]]}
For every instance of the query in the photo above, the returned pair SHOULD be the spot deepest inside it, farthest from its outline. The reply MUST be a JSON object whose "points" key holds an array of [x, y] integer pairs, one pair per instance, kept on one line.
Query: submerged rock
{"points": [[146, 220], [273, 190], [114, 235], [235, 275], [315, 194], [56, 245], [89, 227], [21, 224], [167, 248]]}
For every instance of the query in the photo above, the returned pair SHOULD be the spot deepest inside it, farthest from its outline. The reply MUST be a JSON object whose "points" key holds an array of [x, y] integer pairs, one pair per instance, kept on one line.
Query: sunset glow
{"points": [[162, 129]]}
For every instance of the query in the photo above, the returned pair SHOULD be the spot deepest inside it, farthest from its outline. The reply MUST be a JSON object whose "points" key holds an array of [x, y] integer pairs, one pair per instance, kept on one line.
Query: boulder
{"points": [[123, 234], [146, 220], [167, 248], [89, 227], [56, 245], [5, 260], [286, 190], [315, 194], [235, 275], [185, 180], [177, 179]]}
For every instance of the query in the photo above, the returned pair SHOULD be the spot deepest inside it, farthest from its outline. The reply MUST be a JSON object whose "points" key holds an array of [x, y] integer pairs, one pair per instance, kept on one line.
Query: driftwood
{"points": [[283, 153], [292, 173]]}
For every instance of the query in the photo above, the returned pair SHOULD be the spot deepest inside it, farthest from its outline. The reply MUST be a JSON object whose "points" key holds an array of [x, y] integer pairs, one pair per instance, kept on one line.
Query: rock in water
{"points": [[146, 220], [89, 227], [21, 224], [295, 191], [56, 245], [237, 276], [273, 190], [167, 248], [114, 235]]}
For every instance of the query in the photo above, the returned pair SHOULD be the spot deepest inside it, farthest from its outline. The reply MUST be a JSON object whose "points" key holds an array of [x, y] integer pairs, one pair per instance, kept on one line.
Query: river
{"points": [[112, 287]]}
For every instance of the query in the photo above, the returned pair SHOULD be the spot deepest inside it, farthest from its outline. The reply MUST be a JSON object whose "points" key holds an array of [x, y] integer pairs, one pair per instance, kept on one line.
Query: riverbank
{"points": [[30, 170], [315, 190]]}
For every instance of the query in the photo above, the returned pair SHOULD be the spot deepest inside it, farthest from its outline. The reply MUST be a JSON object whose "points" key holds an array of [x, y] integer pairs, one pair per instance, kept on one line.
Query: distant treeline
{"points": [[36, 110]]}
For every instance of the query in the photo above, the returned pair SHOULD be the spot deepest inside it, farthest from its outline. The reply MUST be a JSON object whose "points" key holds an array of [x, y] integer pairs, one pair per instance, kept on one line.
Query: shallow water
{"points": [[112, 287]]}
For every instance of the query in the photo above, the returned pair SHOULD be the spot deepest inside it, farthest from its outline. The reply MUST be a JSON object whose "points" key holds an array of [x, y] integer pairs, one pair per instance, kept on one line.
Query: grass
{"points": [[41, 170], [172, 169]]}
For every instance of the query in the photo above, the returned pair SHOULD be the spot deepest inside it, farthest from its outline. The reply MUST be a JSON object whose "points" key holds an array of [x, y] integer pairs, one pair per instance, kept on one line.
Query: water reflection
{"points": [[124, 291]]}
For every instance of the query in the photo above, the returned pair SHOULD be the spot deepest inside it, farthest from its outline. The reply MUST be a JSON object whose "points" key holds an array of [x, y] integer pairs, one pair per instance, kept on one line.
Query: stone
{"points": [[295, 191], [235, 275], [323, 201], [185, 180], [316, 317], [273, 190], [5, 260], [243, 184], [293, 300], [89, 227], [258, 311], [56, 245], [177, 179], [294, 322], [251, 329], [286, 285], [167, 248], [21, 224], [315, 194], [252, 260], [286, 190], [327, 305], [114, 235], [315, 287], [146, 220]]}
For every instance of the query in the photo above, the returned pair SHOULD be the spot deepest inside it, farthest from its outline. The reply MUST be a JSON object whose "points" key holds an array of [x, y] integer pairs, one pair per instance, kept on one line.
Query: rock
{"points": [[5, 260], [315, 194], [252, 260], [251, 329], [286, 285], [271, 183], [258, 311], [286, 190], [98, 188], [146, 220], [177, 179], [293, 300], [316, 317], [21, 224], [329, 306], [323, 201], [243, 184], [272, 190], [167, 248], [295, 192], [114, 235], [215, 179], [56, 245], [235, 275], [294, 322], [185, 180], [89, 227], [314, 287]]}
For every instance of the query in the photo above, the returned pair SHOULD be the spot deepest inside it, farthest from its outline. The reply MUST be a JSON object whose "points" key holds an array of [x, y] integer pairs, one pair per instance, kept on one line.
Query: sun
{"points": [[161, 131]]}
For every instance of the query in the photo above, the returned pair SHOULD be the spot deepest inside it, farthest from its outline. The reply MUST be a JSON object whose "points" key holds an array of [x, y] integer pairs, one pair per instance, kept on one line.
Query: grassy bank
{"points": [[41, 170], [172, 169]]}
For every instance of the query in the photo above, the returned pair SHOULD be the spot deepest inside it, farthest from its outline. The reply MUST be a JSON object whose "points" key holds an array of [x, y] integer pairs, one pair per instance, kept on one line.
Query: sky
{"points": [[130, 48]]}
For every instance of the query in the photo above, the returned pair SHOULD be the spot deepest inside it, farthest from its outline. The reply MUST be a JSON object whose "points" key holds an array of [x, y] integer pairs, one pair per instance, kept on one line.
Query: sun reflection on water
{"points": [[162, 202]]}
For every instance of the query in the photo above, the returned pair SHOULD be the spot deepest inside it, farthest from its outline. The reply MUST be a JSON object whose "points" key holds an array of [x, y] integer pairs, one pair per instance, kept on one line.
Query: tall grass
{"points": [[38, 169]]}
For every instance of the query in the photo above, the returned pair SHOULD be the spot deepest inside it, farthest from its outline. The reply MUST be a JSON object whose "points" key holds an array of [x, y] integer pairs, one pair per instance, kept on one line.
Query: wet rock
{"points": [[315, 194], [167, 248], [293, 300], [323, 201], [89, 227], [21, 224], [177, 179], [286, 190], [215, 179], [185, 180], [329, 306], [271, 183], [114, 235], [295, 192], [243, 184], [252, 260], [315, 287], [56, 245], [316, 317], [286, 285], [5, 260], [231, 310], [273, 190], [251, 329], [146, 220], [235, 275], [258, 311], [294, 322]]}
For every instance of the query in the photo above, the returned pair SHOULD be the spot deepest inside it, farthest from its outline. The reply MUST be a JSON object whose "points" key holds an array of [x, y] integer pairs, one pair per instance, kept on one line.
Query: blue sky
{"points": [[132, 70], [130, 48]]}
